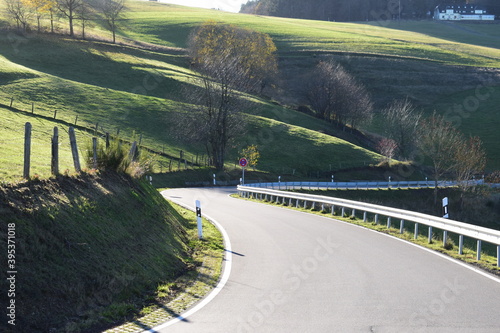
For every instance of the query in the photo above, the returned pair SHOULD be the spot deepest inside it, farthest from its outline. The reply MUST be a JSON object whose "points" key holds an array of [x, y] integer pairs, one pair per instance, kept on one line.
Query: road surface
{"points": [[297, 272]]}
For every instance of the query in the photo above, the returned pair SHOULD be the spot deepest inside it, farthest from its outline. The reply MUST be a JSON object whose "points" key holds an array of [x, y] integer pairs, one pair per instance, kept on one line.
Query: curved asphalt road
{"points": [[296, 272]]}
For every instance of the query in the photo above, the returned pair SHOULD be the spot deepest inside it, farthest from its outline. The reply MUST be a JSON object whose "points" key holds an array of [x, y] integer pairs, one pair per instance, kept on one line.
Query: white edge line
{"points": [[456, 261], [222, 282]]}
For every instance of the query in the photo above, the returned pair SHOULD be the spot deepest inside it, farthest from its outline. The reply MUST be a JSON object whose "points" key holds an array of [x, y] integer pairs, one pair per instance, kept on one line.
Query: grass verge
{"points": [[92, 250], [173, 298]]}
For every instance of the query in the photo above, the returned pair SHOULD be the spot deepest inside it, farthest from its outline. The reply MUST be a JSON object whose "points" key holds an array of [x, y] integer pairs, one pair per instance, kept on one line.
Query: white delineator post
{"points": [[445, 215], [198, 216]]}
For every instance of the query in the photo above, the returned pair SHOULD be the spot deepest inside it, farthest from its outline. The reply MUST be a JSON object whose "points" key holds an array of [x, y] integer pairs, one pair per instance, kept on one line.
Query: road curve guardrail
{"points": [[311, 201], [359, 184]]}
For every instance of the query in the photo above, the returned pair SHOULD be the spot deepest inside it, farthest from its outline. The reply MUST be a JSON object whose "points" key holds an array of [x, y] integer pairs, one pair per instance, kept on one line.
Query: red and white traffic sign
{"points": [[243, 162]]}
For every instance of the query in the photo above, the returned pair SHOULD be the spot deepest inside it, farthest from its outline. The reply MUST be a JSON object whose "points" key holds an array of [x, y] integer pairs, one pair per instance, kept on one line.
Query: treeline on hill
{"points": [[355, 10], [26, 13]]}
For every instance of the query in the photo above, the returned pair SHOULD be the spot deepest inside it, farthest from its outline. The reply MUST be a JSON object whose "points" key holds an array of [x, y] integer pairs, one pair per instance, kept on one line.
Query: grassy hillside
{"points": [[122, 87], [91, 250], [136, 88], [170, 25]]}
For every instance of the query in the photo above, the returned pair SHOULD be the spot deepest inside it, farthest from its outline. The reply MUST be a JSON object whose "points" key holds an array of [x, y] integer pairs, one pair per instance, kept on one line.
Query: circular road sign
{"points": [[243, 162]]}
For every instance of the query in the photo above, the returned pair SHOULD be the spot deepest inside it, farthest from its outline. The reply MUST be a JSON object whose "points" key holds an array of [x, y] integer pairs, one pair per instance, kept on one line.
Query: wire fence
{"points": [[12, 153], [41, 152]]}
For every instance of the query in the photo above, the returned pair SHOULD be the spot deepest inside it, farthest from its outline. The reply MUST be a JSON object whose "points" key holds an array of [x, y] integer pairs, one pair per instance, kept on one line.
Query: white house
{"points": [[462, 12]]}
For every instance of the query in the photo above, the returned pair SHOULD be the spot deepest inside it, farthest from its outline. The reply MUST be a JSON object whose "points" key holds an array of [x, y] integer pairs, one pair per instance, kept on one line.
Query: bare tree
{"points": [[112, 11], [401, 124], [387, 148], [20, 13], [69, 8], [230, 61], [470, 160], [439, 141], [337, 97], [84, 12]]}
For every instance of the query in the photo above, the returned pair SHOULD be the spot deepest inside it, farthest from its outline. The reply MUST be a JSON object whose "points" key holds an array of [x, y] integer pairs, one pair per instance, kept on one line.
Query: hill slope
{"points": [[86, 248], [137, 88]]}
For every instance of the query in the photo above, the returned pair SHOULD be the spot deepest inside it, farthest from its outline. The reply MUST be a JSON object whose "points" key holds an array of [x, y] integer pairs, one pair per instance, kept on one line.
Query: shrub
{"points": [[116, 157]]}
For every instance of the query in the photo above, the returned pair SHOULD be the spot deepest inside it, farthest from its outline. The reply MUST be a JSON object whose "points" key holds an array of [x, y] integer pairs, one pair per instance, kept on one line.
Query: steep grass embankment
{"points": [[89, 250]]}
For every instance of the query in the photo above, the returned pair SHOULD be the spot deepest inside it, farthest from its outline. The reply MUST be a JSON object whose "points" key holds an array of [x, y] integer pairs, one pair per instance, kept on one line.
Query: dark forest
{"points": [[356, 10]]}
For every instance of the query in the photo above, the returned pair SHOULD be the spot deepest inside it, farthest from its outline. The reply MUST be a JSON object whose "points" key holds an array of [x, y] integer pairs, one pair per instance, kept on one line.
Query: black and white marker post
{"points": [[198, 216], [445, 208], [445, 215]]}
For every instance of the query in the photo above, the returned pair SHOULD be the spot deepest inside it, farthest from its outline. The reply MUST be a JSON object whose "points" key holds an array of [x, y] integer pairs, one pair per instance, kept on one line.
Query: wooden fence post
{"points": [[54, 165], [107, 140], [11, 101], [32, 107], [74, 149], [76, 119], [27, 150], [94, 150], [133, 151], [55, 114]]}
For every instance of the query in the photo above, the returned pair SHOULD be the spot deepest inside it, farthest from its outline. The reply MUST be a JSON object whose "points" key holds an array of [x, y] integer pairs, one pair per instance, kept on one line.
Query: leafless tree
{"points": [[19, 12], [84, 13], [111, 10], [69, 9], [470, 160], [337, 97], [401, 124], [439, 141], [387, 147]]}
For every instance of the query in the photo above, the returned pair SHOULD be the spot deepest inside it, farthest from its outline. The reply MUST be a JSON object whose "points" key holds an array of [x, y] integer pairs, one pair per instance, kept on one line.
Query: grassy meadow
{"points": [[136, 85]]}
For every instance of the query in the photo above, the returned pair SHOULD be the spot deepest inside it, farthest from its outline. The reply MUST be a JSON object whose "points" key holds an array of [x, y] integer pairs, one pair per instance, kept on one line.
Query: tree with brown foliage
{"points": [[231, 61]]}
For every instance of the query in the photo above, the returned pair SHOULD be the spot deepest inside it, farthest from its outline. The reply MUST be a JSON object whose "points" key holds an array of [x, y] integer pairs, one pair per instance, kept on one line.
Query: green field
{"points": [[136, 89]]}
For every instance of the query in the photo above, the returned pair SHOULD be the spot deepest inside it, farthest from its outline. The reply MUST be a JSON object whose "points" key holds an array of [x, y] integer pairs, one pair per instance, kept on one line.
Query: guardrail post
{"points": [[313, 207], [322, 207], [478, 256], [376, 218], [290, 202], [498, 256], [333, 209], [402, 226], [445, 237], [305, 204], [297, 203], [389, 222], [461, 244], [415, 236], [364, 216], [353, 215], [343, 211], [430, 235]]}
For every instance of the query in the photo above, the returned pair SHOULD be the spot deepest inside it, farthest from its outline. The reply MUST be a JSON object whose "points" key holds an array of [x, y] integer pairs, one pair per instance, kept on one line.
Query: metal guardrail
{"points": [[357, 185], [307, 200]]}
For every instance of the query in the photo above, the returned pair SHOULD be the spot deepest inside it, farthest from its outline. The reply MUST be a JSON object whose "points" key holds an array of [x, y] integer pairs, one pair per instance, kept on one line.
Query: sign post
{"points": [[198, 217], [243, 164]]}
